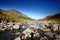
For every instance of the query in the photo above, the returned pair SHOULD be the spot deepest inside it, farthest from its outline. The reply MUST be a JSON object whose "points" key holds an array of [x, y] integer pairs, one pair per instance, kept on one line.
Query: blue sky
{"points": [[36, 9]]}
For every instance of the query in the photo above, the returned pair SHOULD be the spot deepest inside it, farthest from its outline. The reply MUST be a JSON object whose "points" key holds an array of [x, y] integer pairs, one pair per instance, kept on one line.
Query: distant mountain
{"points": [[55, 17], [12, 15]]}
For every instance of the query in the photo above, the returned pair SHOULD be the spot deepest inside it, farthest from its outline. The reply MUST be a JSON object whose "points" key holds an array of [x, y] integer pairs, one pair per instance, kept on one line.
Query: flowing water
{"points": [[8, 34]]}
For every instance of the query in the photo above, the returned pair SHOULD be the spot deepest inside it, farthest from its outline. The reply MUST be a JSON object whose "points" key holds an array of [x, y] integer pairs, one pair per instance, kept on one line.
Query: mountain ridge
{"points": [[13, 14], [55, 18]]}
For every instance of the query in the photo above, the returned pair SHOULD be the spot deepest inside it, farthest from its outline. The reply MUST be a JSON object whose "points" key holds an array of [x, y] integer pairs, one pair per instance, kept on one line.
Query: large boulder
{"points": [[16, 26]]}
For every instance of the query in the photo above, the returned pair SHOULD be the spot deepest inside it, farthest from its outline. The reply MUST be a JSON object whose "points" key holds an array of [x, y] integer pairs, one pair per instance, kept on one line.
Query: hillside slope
{"points": [[52, 18], [13, 15]]}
